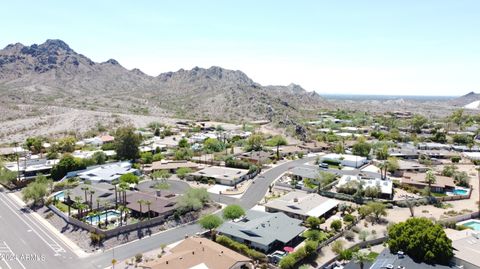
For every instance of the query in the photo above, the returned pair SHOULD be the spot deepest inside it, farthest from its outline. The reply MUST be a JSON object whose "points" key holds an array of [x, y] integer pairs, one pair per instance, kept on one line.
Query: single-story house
{"points": [[11, 151], [103, 192], [404, 153], [434, 146], [170, 166], [107, 172], [264, 231], [257, 157], [301, 205], [386, 186], [30, 168], [438, 154], [417, 180], [466, 248], [473, 156], [345, 159], [409, 166], [222, 175], [305, 172], [314, 146], [164, 205], [289, 150], [200, 253]]}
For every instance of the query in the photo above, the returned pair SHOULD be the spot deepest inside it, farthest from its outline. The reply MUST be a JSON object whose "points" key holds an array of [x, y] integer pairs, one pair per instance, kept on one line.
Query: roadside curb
{"points": [[67, 241]]}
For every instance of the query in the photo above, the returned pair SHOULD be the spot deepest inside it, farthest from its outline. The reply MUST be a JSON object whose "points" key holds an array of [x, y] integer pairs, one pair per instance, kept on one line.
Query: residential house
{"points": [[108, 173], [257, 157], [345, 159], [163, 204], [199, 253], [442, 184], [385, 186], [264, 231], [409, 166], [466, 246], [314, 146], [301, 205], [222, 175], [170, 166], [30, 168]]}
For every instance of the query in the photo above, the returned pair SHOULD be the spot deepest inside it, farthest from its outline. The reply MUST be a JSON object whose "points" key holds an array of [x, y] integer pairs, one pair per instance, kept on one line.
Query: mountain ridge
{"points": [[53, 72]]}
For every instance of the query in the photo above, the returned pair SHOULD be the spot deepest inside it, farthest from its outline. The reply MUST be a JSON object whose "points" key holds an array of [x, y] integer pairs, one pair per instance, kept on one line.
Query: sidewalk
{"points": [[69, 243]]}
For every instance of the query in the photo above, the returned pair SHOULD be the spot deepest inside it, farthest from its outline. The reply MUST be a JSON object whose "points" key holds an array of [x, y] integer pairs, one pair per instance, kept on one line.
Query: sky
{"points": [[408, 47]]}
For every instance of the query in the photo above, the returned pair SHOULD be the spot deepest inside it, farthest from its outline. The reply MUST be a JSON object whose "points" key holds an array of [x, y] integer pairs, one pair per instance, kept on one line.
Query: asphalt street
{"points": [[21, 233]]}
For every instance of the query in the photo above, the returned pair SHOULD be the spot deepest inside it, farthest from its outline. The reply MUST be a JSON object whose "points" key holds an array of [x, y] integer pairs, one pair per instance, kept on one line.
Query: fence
{"points": [[330, 263], [108, 233], [460, 218]]}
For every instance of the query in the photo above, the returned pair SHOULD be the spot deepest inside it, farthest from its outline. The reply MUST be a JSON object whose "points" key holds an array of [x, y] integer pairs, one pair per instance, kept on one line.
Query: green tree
{"points": [[361, 147], [449, 170], [66, 164], [161, 174], [382, 153], [422, 240], [277, 141], [182, 172], [417, 123], [338, 246], [129, 178], [146, 157], [430, 179], [34, 144], [7, 177], [312, 222], [99, 157], [183, 143], [67, 144], [127, 143], [210, 222], [372, 191], [377, 210], [213, 145], [193, 199], [255, 142], [361, 258], [287, 262], [339, 148], [183, 154], [392, 164], [36, 191], [232, 212]]}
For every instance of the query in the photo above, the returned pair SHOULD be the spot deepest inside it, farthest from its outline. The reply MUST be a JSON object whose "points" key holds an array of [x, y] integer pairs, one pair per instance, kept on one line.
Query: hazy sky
{"points": [[362, 47]]}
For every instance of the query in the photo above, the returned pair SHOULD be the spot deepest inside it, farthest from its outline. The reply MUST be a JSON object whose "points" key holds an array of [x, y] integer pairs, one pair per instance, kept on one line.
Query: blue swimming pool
{"points": [[60, 196], [106, 215], [474, 224], [460, 192]]}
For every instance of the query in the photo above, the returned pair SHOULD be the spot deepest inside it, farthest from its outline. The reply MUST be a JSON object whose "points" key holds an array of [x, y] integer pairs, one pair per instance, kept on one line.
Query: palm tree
{"points": [[361, 258], [78, 200], [148, 203], [92, 192], [98, 203], [116, 198], [123, 191], [67, 193], [121, 208], [430, 179], [140, 203], [85, 189]]}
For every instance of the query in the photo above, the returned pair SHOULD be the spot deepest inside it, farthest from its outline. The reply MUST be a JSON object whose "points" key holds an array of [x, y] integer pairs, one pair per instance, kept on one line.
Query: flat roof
{"points": [[305, 204], [466, 245], [386, 186], [347, 157], [220, 172]]}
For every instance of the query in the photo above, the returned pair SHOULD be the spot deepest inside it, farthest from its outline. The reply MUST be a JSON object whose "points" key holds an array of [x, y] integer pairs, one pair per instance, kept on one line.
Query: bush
{"points": [[349, 235], [138, 257], [242, 248], [336, 225], [348, 218], [455, 159], [96, 238]]}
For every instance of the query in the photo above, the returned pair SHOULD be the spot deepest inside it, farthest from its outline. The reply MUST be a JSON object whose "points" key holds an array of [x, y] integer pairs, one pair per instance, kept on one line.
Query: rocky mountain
{"points": [[465, 99], [54, 74]]}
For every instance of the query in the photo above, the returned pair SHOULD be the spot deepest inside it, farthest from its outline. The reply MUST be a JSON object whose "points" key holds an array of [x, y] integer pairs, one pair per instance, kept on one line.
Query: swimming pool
{"points": [[106, 215], [460, 191], [60, 196], [474, 224]]}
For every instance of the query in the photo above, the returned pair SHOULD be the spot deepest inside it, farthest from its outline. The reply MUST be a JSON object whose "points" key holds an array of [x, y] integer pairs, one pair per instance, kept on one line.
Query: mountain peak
{"points": [[56, 44], [112, 62]]}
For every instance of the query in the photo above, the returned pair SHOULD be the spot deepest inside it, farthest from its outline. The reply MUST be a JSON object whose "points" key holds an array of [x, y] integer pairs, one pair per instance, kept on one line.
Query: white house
{"points": [[385, 186], [344, 159]]}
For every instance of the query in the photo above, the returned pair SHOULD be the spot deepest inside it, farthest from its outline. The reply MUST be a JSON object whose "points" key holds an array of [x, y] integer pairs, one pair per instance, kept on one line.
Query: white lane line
{"points": [[16, 258], [29, 226], [55, 245]]}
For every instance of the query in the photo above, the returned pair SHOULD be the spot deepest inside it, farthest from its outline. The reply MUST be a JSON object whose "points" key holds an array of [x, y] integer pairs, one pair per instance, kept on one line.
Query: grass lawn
{"points": [[373, 255], [435, 194], [63, 207]]}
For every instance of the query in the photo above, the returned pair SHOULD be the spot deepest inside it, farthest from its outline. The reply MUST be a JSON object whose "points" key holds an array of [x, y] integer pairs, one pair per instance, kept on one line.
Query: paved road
{"points": [[27, 243], [24, 234]]}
